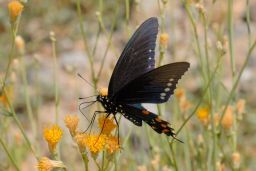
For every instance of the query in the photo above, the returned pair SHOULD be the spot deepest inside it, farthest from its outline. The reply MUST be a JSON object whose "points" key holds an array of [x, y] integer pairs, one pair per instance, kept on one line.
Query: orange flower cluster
{"points": [[95, 143], [203, 114], [184, 104], [15, 9], [52, 135]]}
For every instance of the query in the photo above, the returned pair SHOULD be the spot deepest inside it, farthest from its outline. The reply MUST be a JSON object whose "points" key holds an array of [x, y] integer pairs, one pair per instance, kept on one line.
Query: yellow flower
{"points": [[9, 94], [108, 124], [236, 159], [203, 115], [80, 137], [200, 8], [45, 164], [164, 38], [20, 43], [52, 135], [15, 9], [179, 93], [95, 143], [103, 91], [71, 122], [240, 105], [112, 144], [184, 104], [220, 166], [227, 120], [156, 161], [141, 168]]}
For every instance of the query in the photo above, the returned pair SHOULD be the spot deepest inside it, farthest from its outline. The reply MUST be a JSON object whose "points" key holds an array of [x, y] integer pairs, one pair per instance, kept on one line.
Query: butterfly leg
{"points": [[93, 118], [108, 114], [117, 128]]}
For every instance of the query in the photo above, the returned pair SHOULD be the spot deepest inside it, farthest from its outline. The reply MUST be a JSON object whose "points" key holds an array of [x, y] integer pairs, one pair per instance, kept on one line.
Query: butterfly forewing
{"points": [[155, 86], [137, 58]]}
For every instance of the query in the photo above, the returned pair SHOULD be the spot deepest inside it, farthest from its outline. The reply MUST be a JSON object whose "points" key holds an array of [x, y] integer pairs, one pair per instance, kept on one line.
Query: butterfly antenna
{"points": [[82, 98], [79, 75]]}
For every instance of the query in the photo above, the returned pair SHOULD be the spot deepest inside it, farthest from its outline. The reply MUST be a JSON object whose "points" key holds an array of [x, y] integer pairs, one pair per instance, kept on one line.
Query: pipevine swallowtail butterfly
{"points": [[135, 80]]}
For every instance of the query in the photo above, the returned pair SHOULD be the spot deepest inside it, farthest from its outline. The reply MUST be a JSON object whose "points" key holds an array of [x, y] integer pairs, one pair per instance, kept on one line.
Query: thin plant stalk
{"points": [[56, 91], [9, 155], [201, 99], [232, 92], [87, 49], [230, 36], [14, 30], [27, 95], [199, 51], [17, 121], [109, 43]]}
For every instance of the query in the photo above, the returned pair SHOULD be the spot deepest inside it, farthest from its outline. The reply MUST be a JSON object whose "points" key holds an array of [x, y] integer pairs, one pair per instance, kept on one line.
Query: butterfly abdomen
{"points": [[156, 123]]}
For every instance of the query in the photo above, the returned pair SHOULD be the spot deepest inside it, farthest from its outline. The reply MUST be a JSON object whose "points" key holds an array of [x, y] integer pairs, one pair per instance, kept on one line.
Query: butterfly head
{"points": [[103, 94]]}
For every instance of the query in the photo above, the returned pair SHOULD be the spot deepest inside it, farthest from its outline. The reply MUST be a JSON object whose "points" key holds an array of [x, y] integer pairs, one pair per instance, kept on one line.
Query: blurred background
{"points": [[51, 41]]}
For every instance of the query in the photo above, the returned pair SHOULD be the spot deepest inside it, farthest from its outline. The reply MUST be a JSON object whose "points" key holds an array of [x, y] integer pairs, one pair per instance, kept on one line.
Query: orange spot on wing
{"points": [[165, 130], [163, 125], [158, 119], [145, 112], [153, 127]]}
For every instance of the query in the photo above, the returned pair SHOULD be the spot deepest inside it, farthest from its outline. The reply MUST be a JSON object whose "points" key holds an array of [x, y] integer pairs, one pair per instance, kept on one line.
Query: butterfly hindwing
{"points": [[136, 58], [155, 86], [154, 121]]}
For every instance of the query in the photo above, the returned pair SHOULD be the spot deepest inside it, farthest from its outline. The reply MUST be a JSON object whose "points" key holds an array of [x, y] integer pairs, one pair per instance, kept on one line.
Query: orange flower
{"points": [[236, 159], [180, 93], [15, 9], [184, 104], [71, 122], [20, 43], [45, 164], [108, 124], [227, 120], [103, 91], [52, 135], [240, 106], [5, 95], [203, 115], [112, 144], [164, 38]]}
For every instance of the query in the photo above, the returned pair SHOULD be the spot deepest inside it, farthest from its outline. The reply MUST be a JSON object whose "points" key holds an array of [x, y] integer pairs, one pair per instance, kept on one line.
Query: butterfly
{"points": [[135, 80]]}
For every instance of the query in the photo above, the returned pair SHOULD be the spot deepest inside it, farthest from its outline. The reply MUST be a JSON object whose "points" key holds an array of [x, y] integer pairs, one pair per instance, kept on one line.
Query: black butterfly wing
{"points": [[137, 58], [138, 114], [155, 86]]}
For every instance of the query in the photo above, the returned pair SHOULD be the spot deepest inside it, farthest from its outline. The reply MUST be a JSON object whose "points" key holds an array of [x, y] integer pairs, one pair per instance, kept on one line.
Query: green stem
{"points": [[56, 91], [27, 95], [201, 99], [237, 80], [109, 42], [248, 22], [87, 49], [10, 56], [86, 161], [127, 11], [17, 121], [230, 36], [199, 52], [9, 154]]}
